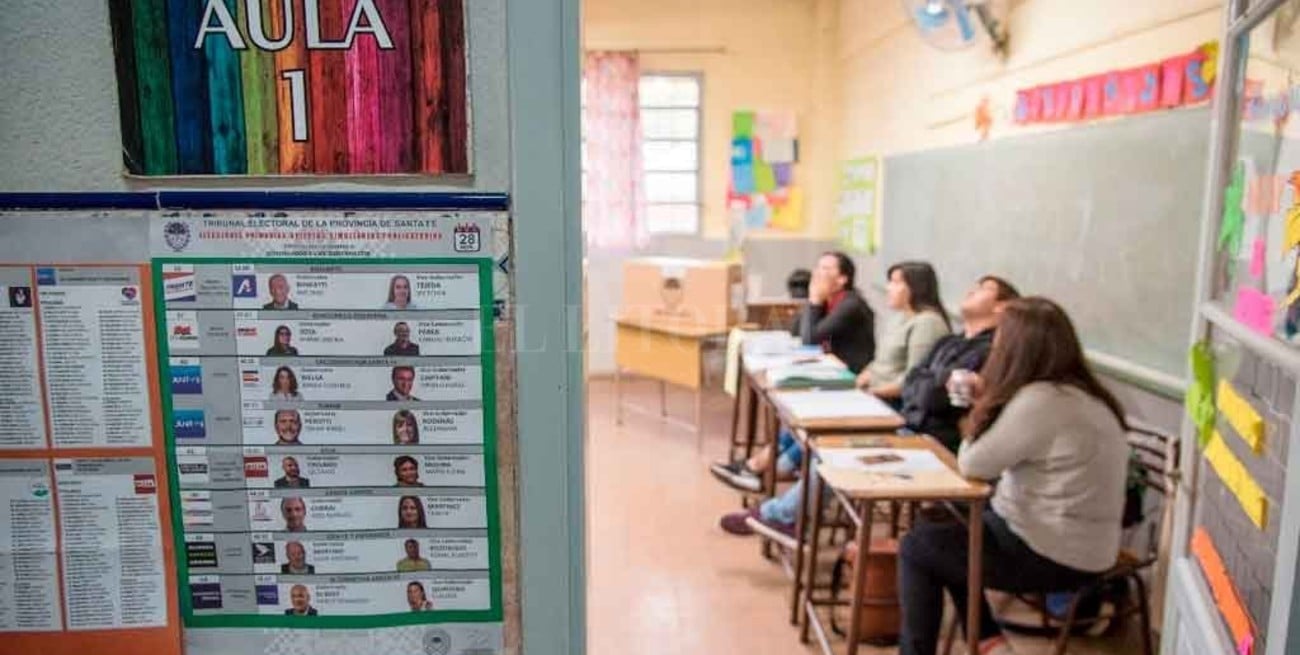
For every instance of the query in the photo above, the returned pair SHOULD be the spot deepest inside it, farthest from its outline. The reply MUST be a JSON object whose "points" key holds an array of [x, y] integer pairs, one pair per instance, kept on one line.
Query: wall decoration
{"points": [[1238, 480], [764, 150], [1182, 80], [1224, 592], [292, 87], [859, 224], [1241, 416]]}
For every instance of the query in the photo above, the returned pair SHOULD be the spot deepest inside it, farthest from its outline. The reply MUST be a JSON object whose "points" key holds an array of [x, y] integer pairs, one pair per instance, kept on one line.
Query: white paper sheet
{"points": [[910, 460], [834, 404]]}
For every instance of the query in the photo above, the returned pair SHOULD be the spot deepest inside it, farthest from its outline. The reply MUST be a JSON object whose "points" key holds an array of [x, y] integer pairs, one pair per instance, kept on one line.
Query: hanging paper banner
{"points": [[1173, 82]]}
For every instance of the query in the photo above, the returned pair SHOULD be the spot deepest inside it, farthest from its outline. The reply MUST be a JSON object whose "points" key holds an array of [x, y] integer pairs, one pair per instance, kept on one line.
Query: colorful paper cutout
{"points": [[1255, 309], [1224, 591], [784, 174], [757, 216], [1148, 95], [1171, 81], [788, 214], [1234, 219], [1257, 259], [1243, 418], [1093, 96], [1199, 399], [742, 124], [742, 151], [1237, 479], [775, 125], [764, 178], [742, 178], [1291, 229], [778, 151], [1078, 93]]}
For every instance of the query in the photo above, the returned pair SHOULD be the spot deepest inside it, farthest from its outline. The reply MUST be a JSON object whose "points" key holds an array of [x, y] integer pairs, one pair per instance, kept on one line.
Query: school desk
{"points": [[813, 416], [857, 492], [753, 418], [668, 351]]}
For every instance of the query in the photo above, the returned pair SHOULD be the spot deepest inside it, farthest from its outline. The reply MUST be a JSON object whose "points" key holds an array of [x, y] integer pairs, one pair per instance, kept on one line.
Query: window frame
{"points": [[698, 203]]}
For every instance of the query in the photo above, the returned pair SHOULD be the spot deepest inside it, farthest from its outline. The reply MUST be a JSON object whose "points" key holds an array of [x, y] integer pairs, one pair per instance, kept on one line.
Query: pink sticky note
{"points": [[1246, 646], [1255, 309], [1257, 259]]}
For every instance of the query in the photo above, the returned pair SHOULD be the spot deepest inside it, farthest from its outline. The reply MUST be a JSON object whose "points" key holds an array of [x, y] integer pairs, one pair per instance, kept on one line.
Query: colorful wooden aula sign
{"points": [[292, 87]]}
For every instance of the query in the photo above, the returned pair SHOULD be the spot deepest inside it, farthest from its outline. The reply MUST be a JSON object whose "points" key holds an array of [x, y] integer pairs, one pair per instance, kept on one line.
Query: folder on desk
{"points": [[808, 375]]}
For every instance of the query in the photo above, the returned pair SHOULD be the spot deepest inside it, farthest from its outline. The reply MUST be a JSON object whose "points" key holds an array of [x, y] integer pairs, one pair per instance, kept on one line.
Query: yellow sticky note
{"points": [[1238, 480], [1291, 231], [789, 216], [1241, 416]]}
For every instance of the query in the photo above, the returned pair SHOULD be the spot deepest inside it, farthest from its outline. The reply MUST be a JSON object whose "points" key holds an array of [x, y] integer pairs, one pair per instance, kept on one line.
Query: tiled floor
{"points": [[662, 577]]}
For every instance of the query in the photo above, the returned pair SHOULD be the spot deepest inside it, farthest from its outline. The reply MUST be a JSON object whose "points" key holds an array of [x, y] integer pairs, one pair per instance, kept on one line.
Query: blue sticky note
{"points": [[742, 151], [742, 178], [757, 216]]}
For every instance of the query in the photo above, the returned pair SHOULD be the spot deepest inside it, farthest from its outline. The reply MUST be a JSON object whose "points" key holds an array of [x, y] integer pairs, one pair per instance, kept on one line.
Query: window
{"points": [[670, 151]]}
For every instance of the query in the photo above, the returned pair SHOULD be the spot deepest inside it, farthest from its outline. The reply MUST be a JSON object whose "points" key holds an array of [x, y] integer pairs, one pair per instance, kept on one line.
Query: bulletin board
{"points": [[272, 431]]}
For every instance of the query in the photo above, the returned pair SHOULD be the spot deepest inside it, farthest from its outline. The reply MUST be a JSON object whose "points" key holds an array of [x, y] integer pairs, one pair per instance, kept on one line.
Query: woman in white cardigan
{"points": [[1053, 437]]}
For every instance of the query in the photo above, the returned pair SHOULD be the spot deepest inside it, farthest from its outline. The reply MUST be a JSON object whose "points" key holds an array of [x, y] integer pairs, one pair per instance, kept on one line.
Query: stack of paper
{"points": [[807, 375], [770, 342]]}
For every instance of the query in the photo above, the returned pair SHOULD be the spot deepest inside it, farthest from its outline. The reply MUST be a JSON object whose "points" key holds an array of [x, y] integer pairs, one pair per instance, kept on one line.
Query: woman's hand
{"points": [[975, 384], [864, 379], [818, 289]]}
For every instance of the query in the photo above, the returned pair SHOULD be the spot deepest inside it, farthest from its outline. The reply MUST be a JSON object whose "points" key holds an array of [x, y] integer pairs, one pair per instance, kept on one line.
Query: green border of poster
{"points": [[858, 217], [494, 614]]}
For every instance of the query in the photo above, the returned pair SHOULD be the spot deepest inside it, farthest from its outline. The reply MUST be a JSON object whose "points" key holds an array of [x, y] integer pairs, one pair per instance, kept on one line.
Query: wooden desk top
{"points": [[866, 423], [925, 485], [675, 328]]}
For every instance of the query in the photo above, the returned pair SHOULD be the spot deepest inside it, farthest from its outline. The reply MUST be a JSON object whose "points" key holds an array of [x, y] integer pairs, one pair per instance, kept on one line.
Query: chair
{"points": [[1153, 468]]}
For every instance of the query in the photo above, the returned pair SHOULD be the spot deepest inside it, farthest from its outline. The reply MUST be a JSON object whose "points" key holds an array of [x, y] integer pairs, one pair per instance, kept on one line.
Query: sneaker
{"points": [[736, 475], [736, 522], [996, 646], [781, 533]]}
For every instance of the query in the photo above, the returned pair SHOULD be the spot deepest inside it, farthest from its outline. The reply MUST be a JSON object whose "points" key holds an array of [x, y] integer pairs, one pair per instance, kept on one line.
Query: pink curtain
{"points": [[613, 199]]}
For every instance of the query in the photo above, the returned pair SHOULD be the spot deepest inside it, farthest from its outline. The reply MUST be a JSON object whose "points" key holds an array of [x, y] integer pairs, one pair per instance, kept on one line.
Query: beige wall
{"points": [[899, 94], [753, 54]]}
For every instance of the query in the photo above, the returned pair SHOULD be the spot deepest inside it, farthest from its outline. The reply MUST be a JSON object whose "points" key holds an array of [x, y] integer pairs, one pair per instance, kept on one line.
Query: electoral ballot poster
{"points": [[329, 407]]}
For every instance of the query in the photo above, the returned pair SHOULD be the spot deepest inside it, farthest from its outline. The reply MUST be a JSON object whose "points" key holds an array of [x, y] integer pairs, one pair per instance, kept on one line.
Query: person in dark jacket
{"points": [[926, 406], [837, 317]]}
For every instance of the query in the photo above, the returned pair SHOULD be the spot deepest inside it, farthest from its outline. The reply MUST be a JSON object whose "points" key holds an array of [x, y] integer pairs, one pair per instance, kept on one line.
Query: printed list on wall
{"points": [[82, 526]]}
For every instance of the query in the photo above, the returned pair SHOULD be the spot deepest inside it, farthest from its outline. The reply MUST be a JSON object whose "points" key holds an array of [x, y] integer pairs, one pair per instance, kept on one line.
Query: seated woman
{"points": [[1044, 426], [912, 290]]}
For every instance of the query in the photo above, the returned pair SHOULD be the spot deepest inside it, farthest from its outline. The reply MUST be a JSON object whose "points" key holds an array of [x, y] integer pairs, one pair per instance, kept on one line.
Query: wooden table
{"points": [[773, 313], [857, 492], [668, 351]]}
